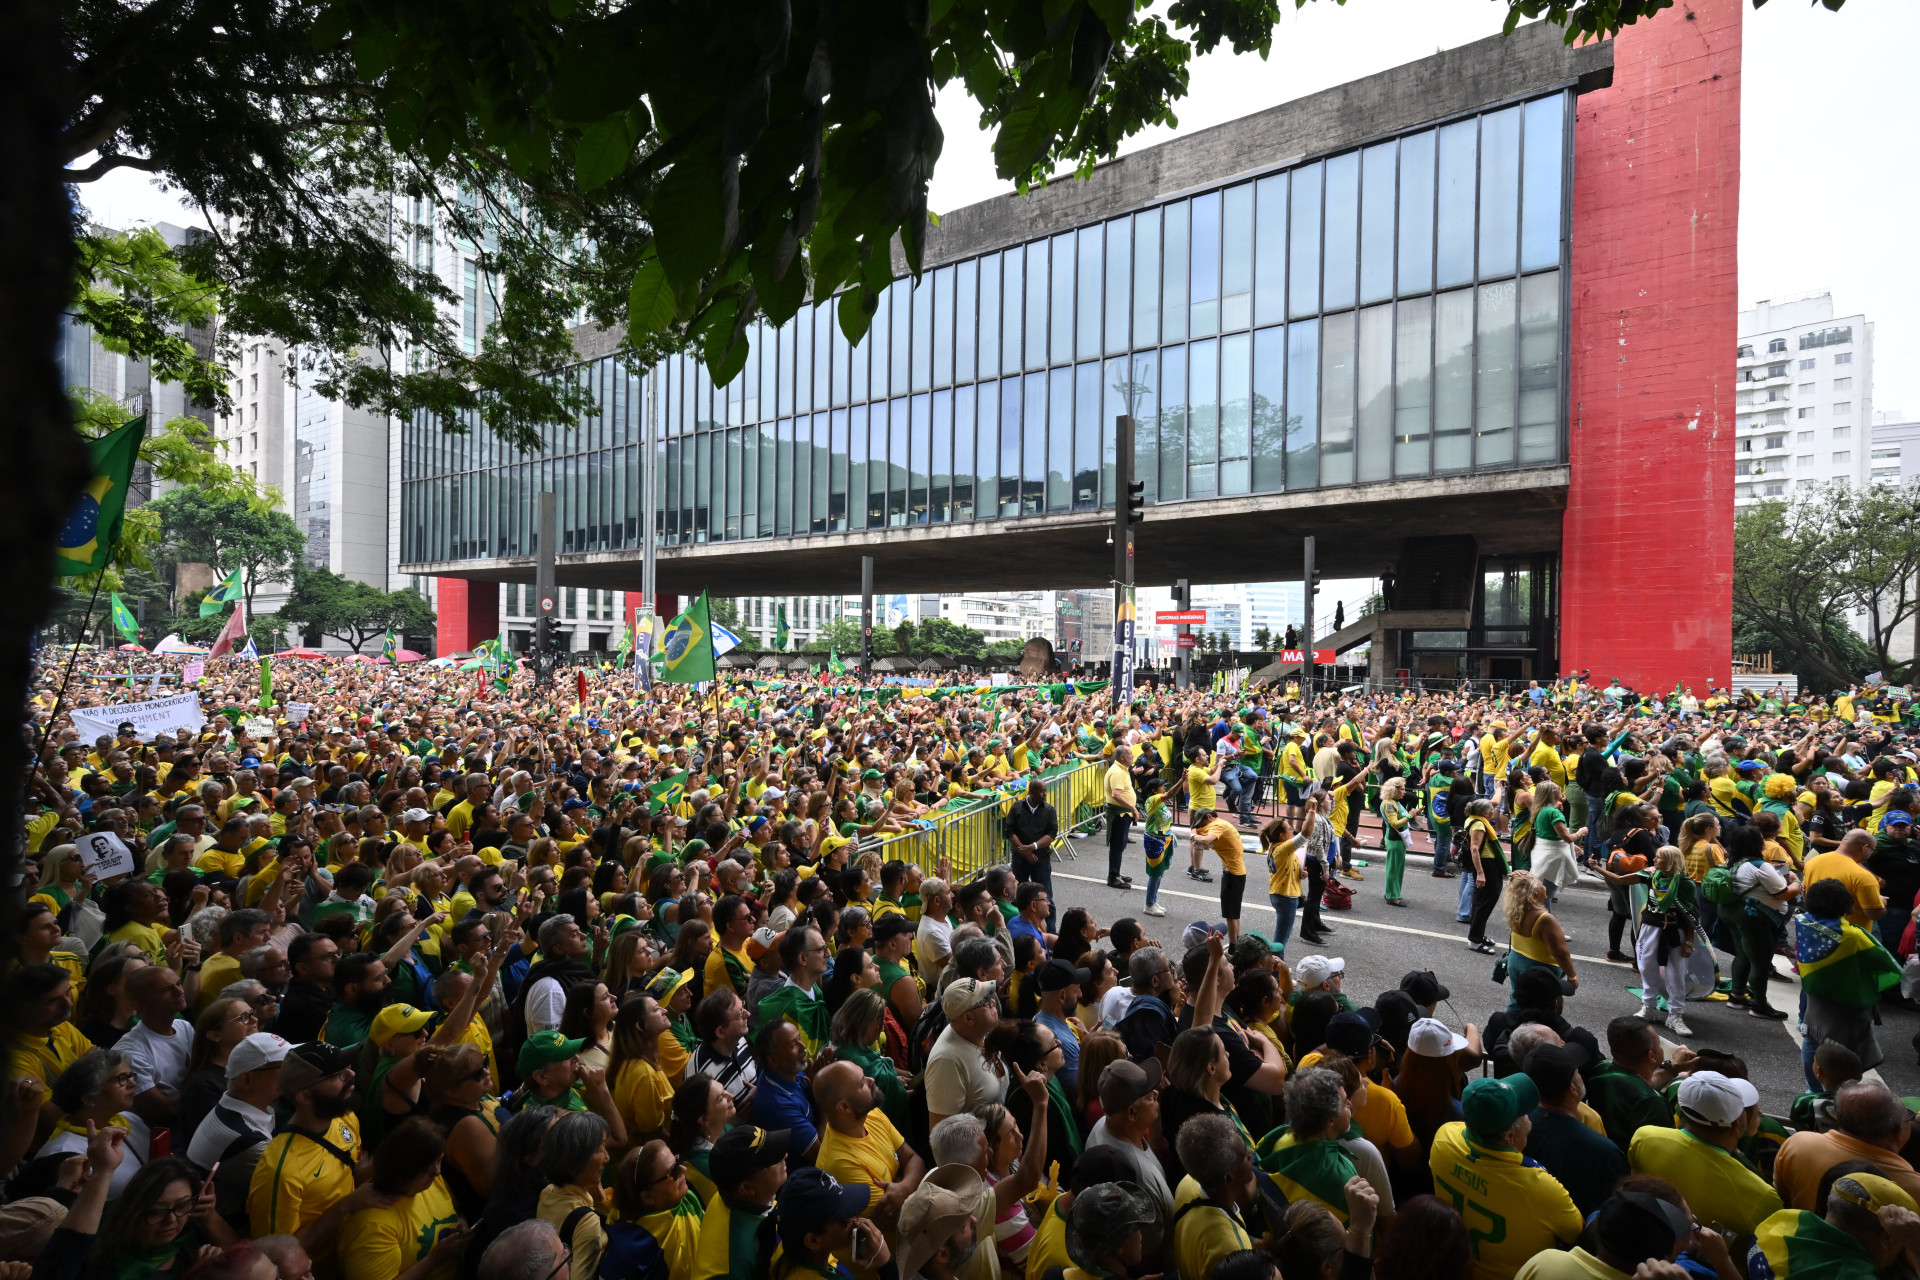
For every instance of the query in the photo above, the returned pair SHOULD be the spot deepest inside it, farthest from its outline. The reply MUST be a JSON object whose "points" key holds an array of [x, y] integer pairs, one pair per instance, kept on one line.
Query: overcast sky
{"points": [[1821, 206]]}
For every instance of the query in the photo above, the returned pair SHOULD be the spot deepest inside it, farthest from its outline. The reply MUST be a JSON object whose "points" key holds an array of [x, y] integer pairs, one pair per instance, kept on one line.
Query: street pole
{"points": [[866, 619], [649, 477], [1183, 655], [1127, 510], [1310, 583], [544, 590]]}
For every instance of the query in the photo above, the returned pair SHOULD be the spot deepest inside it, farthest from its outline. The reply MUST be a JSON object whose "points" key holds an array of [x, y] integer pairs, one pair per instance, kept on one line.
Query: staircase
{"points": [[1436, 573]]}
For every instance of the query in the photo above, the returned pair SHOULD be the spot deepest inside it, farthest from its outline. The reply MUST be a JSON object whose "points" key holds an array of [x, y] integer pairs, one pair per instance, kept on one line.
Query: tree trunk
{"points": [[47, 463]]}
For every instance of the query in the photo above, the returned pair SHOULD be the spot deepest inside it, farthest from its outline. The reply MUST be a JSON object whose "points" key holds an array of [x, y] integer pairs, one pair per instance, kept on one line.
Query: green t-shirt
{"points": [[1543, 823]]}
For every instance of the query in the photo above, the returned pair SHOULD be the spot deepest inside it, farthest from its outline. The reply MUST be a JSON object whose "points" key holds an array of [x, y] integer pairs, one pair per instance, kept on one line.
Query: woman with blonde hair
{"points": [[1536, 940], [1394, 819], [1669, 925], [1555, 856]]}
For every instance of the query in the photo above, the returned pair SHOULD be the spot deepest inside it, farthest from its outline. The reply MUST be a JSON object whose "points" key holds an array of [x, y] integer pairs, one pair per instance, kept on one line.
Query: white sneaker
{"points": [[1678, 1025], [1651, 1012], [1156, 910]]}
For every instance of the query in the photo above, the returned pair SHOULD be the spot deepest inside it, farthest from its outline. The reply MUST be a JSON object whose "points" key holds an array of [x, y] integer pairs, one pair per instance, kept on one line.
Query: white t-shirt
{"points": [[932, 945], [958, 1076], [135, 1149], [1761, 881], [1114, 1005], [157, 1059]]}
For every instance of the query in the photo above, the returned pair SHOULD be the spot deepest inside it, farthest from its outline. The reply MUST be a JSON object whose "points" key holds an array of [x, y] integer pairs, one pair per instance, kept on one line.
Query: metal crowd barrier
{"points": [[972, 836]]}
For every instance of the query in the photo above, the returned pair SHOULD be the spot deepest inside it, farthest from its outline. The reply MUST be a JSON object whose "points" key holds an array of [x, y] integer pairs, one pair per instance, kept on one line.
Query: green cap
{"points": [[871, 775], [1490, 1106], [544, 1048]]}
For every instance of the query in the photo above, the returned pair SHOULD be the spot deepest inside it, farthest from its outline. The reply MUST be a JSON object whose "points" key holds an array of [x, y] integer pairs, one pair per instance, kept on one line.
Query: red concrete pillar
{"points": [[469, 613], [1647, 558], [666, 606]]}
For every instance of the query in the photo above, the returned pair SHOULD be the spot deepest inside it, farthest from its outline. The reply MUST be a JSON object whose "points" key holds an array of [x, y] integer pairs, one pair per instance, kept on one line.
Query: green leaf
{"points": [[602, 152], [650, 307]]}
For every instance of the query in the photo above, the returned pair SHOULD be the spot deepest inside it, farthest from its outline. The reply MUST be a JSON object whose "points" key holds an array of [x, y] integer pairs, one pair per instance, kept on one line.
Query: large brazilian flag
{"points": [[87, 539], [687, 648]]}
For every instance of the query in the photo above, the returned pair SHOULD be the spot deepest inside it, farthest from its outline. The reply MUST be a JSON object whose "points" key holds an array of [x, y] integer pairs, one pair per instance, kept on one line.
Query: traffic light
{"points": [[1136, 502], [1316, 582]]}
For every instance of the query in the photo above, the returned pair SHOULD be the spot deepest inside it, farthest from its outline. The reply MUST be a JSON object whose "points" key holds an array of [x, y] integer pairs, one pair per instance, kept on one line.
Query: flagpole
{"points": [[73, 656]]}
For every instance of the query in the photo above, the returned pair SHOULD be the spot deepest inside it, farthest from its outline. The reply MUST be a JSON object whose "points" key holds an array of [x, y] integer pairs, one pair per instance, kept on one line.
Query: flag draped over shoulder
{"points": [[87, 540], [229, 590], [1307, 1170], [123, 620], [686, 650], [1805, 1246], [1840, 962], [804, 1011]]}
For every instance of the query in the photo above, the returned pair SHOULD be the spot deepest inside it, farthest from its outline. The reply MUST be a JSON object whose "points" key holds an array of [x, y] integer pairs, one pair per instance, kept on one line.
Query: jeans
{"points": [[1239, 782], [1040, 872], [1464, 913], [1284, 911], [1442, 846], [1119, 827], [1153, 889]]}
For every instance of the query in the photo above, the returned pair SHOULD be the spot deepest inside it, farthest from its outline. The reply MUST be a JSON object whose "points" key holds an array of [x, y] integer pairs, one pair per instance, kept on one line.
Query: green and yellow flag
{"points": [[123, 620], [834, 665], [780, 632], [87, 540], [667, 792], [223, 595], [390, 649], [687, 647]]}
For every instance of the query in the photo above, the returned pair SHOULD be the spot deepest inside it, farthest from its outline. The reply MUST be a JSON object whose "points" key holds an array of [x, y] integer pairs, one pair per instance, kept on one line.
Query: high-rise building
{"points": [[1804, 411]]}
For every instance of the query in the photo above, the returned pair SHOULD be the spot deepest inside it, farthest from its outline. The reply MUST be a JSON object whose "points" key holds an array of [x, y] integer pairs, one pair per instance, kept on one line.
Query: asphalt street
{"points": [[1381, 943]]}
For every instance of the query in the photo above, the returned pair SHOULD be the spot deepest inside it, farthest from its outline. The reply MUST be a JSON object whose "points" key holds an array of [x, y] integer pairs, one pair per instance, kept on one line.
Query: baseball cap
{"points": [[1352, 1033], [893, 925], [813, 1197], [397, 1020], [261, 1049], [1491, 1105], [666, 983], [1715, 1099], [415, 815], [1432, 1038], [1057, 975], [306, 1065], [1103, 1216], [544, 1048], [870, 775], [1552, 1067], [1124, 1082], [1897, 818], [1425, 989], [936, 1209], [1872, 1192], [1313, 971], [966, 995], [764, 939], [1635, 1226], [1196, 934], [743, 1151]]}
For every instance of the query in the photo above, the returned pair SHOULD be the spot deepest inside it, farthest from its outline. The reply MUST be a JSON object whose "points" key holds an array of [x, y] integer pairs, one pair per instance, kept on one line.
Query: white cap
{"points": [[1313, 971], [261, 1049], [1716, 1099], [415, 815], [772, 793], [1432, 1038]]}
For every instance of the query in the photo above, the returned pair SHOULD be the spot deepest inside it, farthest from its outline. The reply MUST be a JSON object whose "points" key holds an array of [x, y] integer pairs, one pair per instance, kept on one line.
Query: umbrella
{"points": [[174, 644], [361, 657], [409, 655], [133, 648], [442, 662], [300, 653]]}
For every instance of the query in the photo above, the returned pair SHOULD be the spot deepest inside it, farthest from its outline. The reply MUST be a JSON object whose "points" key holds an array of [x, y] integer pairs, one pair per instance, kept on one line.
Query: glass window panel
{"points": [[824, 323], [1336, 399], [1203, 276], [880, 347], [1416, 212], [690, 499], [1343, 230], [902, 292], [1236, 257], [1270, 250], [1377, 197], [1060, 439], [965, 319], [1033, 452], [919, 456], [1146, 278], [795, 478], [1541, 170], [1494, 375], [784, 342], [860, 366], [1203, 419], [1061, 296], [1499, 191], [733, 484], [802, 358], [1457, 183], [1119, 300], [1268, 409], [1453, 381], [784, 482], [1303, 245], [879, 419], [702, 484], [1412, 385], [837, 389], [773, 473], [1086, 436], [1173, 280], [1013, 307], [1539, 433], [1173, 424], [900, 438], [827, 470], [963, 467], [1303, 405], [923, 331], [1236, 377], [1010, 447], [1373, 408], [986, 462], [854, 493], [762, 391], [940, 460], [1146, 422], [988, 308], [1087, 305], [943, 327], [1036, 309], [750, 482]]}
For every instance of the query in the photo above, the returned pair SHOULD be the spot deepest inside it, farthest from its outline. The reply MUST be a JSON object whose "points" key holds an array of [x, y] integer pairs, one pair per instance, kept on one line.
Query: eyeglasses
{"points": [[674, 1170], [160, 1213], [123, 1078]]}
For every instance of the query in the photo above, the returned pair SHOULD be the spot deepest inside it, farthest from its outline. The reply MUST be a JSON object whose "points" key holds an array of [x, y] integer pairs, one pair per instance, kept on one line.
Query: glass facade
{"points": [[1387, 312]]}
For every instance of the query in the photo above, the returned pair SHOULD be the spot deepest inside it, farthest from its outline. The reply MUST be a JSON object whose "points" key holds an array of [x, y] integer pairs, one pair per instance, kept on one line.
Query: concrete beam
{"points": [[1255, 538]]}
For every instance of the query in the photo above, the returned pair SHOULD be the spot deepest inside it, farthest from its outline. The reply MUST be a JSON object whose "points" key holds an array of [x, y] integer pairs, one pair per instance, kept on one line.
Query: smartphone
{"points": [[856, 1243]]}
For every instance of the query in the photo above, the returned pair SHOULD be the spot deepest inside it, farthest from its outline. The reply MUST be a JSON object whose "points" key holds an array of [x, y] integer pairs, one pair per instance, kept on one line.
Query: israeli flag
{"points": [[250, 653], [723, 640]]}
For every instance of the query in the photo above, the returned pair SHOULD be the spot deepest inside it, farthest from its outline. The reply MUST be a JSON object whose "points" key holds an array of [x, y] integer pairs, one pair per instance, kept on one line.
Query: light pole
{"points": [[1129, 509]]}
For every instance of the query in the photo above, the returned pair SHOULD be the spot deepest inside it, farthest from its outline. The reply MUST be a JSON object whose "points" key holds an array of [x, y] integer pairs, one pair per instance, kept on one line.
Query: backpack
{"points": [[1717, 886], [1337, 897], [1603, 821]]}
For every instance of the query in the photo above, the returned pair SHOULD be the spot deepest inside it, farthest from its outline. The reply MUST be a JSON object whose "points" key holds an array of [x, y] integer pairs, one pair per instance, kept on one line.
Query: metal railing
{"points": [[972, 835]]}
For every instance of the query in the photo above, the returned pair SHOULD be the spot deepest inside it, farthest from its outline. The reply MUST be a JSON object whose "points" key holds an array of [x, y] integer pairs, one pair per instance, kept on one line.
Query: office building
{"points": [[1804, 398]]}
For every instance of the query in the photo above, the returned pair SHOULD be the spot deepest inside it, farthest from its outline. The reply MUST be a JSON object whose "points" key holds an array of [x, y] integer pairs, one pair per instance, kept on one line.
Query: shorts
{"points": [[1293, 789], [1232, 889]]}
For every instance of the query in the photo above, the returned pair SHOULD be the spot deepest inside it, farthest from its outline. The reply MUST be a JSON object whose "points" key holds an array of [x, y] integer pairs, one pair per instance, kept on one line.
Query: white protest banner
{"points": [[103, 854], [259, 727], [297, 712], [150, 718]]}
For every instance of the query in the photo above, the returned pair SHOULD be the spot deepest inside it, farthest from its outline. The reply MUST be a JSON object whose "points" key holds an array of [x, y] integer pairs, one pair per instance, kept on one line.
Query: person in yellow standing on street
{"points": [[1203, 783], [1213, 831]]}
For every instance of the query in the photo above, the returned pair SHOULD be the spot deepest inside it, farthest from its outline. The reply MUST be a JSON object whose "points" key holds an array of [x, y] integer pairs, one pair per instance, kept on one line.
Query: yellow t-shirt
{"points": [[459, 818], [716, 971], [147, 938], [297, 1180], [219, 970], [1049, 1247], [378, 1244], [1200, 789], [1226, 844], [1205, 1235], [1834, 865], [1549, 759], [677, 1230], [870, 1160], [1283, 870], [1120, 782], [643, 1096], [1493, 754], [1718, 1188], [1512, 1211], [43, 1058]]}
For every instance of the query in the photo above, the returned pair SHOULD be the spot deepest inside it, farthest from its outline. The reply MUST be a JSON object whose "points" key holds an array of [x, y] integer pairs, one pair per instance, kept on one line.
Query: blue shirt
{"points": [[1069, 1072], [783, 1103], [1019, 926]]}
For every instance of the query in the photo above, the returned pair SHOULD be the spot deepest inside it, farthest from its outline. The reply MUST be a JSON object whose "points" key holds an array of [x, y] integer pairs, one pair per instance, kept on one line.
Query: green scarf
{"points": [[1057, 1099]]}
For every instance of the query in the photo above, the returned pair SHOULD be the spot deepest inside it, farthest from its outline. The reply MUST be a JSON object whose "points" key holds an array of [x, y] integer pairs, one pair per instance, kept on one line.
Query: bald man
{"points": [[1870, 1123], [861, 1146]]}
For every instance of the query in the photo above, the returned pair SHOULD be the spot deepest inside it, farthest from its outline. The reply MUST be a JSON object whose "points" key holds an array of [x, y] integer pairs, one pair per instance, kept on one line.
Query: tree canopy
{"points": [[352, 612], [230, 533]]}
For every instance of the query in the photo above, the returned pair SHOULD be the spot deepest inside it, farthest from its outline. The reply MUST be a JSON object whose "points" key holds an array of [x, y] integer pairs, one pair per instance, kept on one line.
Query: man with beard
{"points": [[309, 996], [361, 988], [303, 1184]]}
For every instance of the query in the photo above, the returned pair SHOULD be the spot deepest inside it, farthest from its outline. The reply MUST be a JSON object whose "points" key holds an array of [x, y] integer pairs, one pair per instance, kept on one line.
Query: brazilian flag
{"points": [[390, 649], [834, 665], [123, 620], [1307, 1170], [223, 595], [780, 632], [1805, 1246], [667, 792], [86, 541], [800, 1008], [687, 647]]}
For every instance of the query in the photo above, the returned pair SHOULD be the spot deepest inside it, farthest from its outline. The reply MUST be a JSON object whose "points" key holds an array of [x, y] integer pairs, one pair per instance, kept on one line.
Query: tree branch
{"points": [[91, 131], [107, 164]]}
